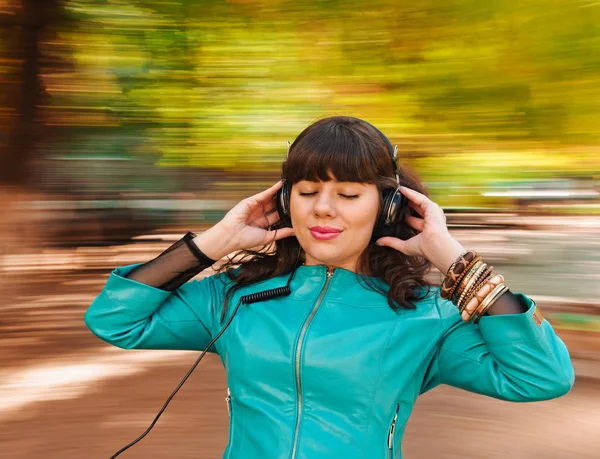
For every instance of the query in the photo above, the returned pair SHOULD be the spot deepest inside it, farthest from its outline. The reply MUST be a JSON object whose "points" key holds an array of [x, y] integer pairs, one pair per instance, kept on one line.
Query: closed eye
{"points": [[343, 195]]}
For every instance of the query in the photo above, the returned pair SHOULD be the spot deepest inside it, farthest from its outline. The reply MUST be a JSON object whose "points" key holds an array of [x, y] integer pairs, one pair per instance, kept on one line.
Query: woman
{"points": [[333, 368]]}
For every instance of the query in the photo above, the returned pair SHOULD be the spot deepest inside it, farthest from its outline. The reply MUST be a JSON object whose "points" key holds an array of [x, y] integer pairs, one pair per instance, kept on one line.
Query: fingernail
{"points": [[377, 243]]}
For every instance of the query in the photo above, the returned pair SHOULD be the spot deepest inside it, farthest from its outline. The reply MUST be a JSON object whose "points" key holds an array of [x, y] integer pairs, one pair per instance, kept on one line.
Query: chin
{"points": [[326, 255], [323, 253]]}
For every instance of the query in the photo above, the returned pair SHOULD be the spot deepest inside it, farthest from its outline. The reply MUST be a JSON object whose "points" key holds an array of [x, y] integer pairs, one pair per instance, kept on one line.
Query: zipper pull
{"points": [[330, 270], [228, 400], [392, 429]]}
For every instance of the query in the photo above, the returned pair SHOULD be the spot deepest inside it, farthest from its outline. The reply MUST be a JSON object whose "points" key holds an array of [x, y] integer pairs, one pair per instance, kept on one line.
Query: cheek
{"points": [[365, 211], [365, 216], [299, 210]]}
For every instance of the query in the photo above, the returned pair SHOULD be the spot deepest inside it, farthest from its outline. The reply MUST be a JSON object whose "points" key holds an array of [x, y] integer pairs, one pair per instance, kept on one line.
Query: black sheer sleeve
{"points": [[508, 303], [174, 267]]}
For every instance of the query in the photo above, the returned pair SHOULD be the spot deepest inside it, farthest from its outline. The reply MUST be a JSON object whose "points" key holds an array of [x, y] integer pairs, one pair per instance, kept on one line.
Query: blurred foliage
{"points": [[472, 91], [579, 322]]}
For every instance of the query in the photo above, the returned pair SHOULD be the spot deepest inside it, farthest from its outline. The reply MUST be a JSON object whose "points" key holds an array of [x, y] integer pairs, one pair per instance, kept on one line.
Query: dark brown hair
{"points": [[345, 149]]}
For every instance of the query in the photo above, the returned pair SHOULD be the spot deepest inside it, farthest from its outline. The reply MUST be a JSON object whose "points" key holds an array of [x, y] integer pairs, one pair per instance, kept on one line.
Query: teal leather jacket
{"points": [[331, 371]]}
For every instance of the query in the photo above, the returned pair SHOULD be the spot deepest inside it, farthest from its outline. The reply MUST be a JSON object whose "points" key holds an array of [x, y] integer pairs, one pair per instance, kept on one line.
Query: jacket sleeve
{"points": [[133, 315], [515, 357], [175, 266]]}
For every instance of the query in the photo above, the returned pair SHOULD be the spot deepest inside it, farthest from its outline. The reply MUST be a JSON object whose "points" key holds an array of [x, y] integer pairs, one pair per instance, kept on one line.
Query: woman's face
{"points": [[348, 208]]}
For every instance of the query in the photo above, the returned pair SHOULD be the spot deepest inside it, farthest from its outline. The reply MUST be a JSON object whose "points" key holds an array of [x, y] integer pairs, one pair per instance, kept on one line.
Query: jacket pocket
{"points": [[391, 432]]}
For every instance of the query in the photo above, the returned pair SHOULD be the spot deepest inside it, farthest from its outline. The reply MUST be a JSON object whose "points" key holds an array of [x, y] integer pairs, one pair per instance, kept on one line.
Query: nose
{"points": [[324, 206]]}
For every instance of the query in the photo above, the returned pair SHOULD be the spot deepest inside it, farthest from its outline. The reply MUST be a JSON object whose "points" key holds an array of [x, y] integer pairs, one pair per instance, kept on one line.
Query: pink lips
{"points": [[324, 233]]}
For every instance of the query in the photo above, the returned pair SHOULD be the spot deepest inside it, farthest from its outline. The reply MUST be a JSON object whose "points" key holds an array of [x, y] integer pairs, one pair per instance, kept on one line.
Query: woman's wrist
{"points": [[447, 250], [214, 243]]}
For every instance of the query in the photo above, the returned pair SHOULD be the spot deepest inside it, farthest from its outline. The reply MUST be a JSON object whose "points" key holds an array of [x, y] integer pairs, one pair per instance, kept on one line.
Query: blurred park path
{"points": [[93, 418]]}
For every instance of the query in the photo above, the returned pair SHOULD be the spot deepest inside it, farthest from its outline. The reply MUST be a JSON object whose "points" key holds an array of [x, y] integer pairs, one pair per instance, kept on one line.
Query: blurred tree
{"points": [[24, 27], [222, 84]]}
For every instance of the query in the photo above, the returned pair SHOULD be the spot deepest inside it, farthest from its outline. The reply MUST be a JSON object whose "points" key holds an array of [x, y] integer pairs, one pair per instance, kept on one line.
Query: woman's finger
{"points": [[414, 196], [406, 247], [271, 218], [266, 195], [269, 208], [415, 222], [416, 208], [424, 206]]}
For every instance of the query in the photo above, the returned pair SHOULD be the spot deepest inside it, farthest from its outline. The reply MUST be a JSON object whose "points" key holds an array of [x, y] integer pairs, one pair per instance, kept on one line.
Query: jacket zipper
{"points": [[231, 425], [330, 271], [391, 433], [228, 400]]}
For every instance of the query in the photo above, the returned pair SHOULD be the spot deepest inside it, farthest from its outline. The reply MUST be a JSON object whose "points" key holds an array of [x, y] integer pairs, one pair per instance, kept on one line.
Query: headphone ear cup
{"points": [[282, 202], [394, 206]]}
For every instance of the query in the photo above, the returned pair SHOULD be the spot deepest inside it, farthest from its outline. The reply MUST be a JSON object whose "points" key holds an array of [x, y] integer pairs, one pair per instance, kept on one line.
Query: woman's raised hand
{"points": [[433, 241], [245, 226]]}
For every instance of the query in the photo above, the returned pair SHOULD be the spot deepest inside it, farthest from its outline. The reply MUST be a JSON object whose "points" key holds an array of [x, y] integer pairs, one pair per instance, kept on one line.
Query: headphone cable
{"points": [[246, 299]]}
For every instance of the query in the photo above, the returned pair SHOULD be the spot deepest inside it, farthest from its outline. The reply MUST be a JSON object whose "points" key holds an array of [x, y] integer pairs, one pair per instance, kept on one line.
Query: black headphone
{"points": [[394, 202]]}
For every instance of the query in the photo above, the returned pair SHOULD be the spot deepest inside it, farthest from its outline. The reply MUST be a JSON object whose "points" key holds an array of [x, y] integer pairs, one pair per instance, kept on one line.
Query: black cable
{"points": [[246, 299]]}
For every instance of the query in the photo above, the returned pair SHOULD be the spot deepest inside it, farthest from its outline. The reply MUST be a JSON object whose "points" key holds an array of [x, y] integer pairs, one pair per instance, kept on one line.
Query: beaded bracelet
{"points": [[459, 269], [468, 290], [479, 284], [454, 273], [486, 276], [484, 279], [464, 278], [476, 266]]}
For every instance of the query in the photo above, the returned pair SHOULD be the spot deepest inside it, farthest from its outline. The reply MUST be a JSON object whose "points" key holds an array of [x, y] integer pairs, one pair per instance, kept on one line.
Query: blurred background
{"points": [[126, 123]]}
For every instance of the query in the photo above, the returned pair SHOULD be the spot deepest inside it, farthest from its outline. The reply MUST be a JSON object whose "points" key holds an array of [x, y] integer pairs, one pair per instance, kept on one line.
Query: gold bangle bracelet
{"points": [[493, 300], [472, 268], [483, 280], [467, 289], [490, 296], [452, 290], [486, 276], [461, 285], [489, 301]]}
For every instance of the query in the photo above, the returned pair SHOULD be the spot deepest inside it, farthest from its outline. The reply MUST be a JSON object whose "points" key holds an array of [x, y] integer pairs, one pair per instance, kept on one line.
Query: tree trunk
{"points": [[21, 131]]}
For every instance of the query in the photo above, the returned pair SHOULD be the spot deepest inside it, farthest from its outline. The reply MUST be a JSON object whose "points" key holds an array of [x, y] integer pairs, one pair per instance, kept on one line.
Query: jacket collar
{"points": [[318, 273]]}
